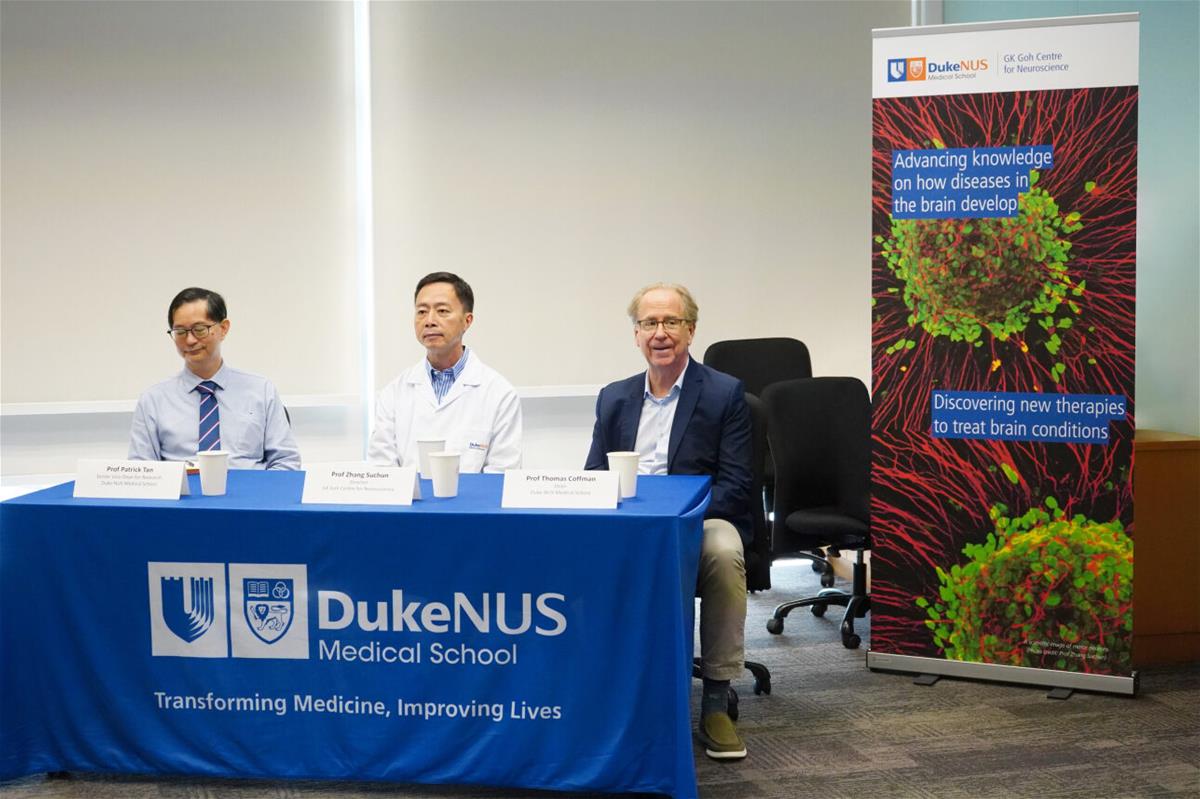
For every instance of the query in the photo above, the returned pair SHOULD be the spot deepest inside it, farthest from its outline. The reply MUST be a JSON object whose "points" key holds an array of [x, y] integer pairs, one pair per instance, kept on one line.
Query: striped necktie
{"points": [[210, 417]]}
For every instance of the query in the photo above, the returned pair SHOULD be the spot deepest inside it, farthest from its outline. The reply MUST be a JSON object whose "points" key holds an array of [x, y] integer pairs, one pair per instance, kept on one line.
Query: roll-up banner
{"points": [[1003, 271]]}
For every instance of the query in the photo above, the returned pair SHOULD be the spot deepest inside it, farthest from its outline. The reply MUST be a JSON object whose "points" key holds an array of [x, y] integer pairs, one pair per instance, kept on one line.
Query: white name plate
{"points": [[130, 479], [526, 488], [360, 484]]}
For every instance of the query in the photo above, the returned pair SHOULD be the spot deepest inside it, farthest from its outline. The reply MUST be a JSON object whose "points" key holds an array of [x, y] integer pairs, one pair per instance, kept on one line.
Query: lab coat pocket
{"points": [[473, 450]]}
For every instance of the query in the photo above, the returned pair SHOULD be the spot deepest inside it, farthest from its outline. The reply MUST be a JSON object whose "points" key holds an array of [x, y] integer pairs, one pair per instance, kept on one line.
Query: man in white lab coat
{"points": [[450, 393]]}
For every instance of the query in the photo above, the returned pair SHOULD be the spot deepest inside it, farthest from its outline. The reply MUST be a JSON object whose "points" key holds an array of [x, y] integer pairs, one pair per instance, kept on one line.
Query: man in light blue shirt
{"points": [[209, 405], [682, 417]]}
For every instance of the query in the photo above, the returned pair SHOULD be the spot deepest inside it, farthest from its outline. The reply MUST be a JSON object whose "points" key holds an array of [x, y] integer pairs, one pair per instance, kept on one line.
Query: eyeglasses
{"points": [[671, 325], [199, 331]]}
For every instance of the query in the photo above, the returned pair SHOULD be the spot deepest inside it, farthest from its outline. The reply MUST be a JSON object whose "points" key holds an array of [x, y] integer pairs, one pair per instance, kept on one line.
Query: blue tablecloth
{"points": [[447, 642]]}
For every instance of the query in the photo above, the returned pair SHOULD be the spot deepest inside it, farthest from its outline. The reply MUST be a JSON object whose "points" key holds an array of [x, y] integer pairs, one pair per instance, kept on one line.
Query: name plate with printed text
{"points": [[360, 484], [105, 479], [527, 488]]}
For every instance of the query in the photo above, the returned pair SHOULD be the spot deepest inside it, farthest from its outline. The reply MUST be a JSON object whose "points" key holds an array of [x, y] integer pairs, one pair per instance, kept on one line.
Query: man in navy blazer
{"points": [[683, 418]]}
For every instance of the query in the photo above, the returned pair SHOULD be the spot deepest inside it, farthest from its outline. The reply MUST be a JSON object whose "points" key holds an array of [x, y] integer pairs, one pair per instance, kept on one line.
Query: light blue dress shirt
{"points": [[443, 379], [254, 429], [654, 427]]}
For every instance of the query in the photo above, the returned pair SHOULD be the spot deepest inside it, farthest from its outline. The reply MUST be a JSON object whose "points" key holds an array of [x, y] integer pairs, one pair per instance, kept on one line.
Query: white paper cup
{"points": [[214, 468], [424, 447], [443, 467], [626, 465]]}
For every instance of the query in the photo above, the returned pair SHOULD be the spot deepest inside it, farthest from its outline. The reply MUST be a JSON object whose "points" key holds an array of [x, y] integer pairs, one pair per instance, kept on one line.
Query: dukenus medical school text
{"points": [[915, 69], [337, 610]]}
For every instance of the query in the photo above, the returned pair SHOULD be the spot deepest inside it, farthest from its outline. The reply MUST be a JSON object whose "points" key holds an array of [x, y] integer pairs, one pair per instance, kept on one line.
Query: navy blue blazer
{"points": [[710, 435]]}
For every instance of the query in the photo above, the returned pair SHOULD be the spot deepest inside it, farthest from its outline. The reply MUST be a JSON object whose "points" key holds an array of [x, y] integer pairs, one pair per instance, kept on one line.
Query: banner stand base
{"points": [[995, 672]]}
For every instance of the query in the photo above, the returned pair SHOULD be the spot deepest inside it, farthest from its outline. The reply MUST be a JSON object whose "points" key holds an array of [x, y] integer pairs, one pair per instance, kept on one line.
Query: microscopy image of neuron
{"points": [[1042, 301], [1042, 591], [987, 274]]}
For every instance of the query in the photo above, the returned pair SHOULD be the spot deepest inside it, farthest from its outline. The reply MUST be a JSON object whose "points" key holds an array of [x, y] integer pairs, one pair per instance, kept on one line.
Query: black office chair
{"points": [[758, 554], [820, 433], [759, 362]]}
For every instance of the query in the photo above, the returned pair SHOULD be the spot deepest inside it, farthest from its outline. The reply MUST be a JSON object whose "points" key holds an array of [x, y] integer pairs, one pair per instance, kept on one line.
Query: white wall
{"points": [[151, 146], [558, 155], [561, 155]]}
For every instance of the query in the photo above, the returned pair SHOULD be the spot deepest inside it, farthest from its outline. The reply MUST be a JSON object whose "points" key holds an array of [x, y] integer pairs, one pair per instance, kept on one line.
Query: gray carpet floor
{"points": [[832, 729]]}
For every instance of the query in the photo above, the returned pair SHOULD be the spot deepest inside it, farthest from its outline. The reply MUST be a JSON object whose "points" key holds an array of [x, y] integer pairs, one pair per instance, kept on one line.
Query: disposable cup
{"points": [[214, 468], [424, 447], [626, 465], [444, 470]]}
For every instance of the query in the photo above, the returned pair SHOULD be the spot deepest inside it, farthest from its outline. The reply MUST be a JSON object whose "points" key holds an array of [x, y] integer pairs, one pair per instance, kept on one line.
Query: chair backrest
{"points": [[758, 362], [758, 556], [820, 434]]}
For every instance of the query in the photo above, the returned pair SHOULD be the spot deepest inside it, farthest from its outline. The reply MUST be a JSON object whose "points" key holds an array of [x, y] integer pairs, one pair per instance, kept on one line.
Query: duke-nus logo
{"points": [[189, 610], [905, 69], [272, 600], [268, 608], [188, 620]]}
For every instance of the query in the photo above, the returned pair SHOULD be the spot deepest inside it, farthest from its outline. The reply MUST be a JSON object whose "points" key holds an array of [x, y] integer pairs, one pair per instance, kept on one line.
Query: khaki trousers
{"points": [[721, 586]]}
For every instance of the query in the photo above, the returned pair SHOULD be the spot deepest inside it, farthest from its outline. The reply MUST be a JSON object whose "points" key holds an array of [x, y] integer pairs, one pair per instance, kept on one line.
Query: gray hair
{"points": [[691, 311]]}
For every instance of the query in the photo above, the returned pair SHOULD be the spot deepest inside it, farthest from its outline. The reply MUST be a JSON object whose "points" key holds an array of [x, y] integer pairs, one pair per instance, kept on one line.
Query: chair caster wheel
{"points": [[817, 566], [762, 678], [818, 610], [774, 626], [827, 580], [732, 707], [850, 638], [762, 685]]}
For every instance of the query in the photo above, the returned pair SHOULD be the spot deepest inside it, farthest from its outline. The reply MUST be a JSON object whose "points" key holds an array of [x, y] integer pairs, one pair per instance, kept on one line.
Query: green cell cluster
{"points": [[1042, 591], [964, 276]]}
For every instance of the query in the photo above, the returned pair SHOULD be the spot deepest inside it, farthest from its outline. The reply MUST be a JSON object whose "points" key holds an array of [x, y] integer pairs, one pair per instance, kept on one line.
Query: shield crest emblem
{"points": [[187, 624], [268, 604]]}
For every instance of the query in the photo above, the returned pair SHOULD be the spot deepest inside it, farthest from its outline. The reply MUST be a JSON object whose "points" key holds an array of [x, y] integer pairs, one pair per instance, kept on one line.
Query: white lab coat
{"points": [[480, 418]]}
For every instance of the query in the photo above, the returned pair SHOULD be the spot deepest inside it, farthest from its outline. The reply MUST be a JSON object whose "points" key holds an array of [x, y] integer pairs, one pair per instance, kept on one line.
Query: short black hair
{"points": [[216, 303], [465, 295]]}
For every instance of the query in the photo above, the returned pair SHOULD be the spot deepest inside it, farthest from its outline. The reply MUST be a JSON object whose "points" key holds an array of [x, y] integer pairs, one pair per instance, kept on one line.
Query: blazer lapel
{"points": [[689, 395], [631, 414]]}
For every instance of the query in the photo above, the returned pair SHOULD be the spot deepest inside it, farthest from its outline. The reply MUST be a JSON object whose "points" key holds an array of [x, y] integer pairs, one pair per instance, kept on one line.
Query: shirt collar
{"points": [[675, 388], [190, 379], [455, 370]]}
